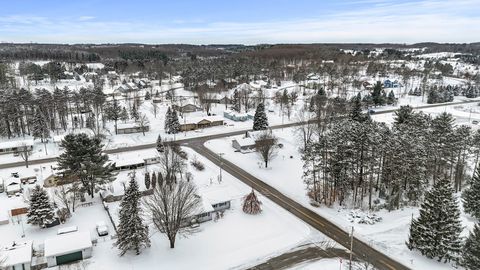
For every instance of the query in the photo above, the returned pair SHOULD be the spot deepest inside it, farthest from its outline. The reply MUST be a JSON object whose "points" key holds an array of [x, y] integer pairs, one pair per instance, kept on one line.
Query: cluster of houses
{"points": [[369, 84]]}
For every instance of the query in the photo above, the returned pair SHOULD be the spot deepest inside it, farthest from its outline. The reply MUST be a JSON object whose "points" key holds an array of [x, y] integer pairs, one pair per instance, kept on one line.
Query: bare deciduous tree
{"points": [[266, 146], [172, 207], [24, 153]]}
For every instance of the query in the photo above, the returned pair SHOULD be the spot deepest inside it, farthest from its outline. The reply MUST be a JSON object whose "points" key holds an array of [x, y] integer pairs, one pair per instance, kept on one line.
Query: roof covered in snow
{"points": [[13, 144], [245, 141], [18, 253], [67, 243]]}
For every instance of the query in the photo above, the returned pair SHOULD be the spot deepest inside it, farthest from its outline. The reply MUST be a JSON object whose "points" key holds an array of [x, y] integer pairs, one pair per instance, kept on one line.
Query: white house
{"points": [[243, 144], [18, 256], [69, 247], [7, 147]]}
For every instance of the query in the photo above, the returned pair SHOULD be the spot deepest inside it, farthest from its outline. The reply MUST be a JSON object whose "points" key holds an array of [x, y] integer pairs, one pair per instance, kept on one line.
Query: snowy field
{"points": [[285, 174]]}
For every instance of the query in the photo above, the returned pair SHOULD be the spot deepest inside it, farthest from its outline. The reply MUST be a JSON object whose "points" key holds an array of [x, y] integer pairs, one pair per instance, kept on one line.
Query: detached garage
{"points": [[67, 248]]}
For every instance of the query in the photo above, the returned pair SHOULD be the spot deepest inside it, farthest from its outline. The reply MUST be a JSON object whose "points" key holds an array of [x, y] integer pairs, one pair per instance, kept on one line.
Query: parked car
{"points": [[371, 111], [475, 122], [102, 229]]}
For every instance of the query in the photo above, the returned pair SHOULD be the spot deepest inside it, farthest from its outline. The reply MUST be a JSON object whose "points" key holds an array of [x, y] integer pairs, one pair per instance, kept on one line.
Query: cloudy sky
{"points": [[239, 21]]}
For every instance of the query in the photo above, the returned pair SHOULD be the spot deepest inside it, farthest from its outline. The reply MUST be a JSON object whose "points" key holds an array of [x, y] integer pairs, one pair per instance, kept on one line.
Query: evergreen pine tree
{"points": [[377, 94], [134, 112], [154, 180], [260, 120], [432, 97], [160, 146], [124, 115], [236, 101], [356, 113], [132, 234], [147, 96], [471, 251], [147, 180], [436, 232], [40, 211], [471, 196], [391, 98], [168, 120], [175, 124], [40, 128]]}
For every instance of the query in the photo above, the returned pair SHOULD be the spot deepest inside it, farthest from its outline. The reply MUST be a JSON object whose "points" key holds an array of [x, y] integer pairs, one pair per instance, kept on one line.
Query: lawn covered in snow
{"points": [[285, 174]]}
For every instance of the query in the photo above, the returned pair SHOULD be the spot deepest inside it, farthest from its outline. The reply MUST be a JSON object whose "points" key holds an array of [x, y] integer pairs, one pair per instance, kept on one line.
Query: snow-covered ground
{"points": [[233, 242], [285, 174]]}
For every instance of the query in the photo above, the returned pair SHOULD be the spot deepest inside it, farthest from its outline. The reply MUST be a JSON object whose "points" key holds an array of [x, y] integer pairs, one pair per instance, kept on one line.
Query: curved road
{"points": [[360, 249]]}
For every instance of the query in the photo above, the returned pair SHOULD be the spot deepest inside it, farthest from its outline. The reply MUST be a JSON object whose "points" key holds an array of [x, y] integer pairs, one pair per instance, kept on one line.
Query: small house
{"points": [[391, 84], [244, 144], [112, 75], [17, 256], [187, 108], [131, 163], [129, 128], [237, 116], [201, 122], [8, 147], [67, 248]]}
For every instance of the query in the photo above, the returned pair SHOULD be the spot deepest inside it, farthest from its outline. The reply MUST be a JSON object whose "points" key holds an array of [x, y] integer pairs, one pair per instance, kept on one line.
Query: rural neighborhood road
{"points": [[211, 137], [360, 249]]}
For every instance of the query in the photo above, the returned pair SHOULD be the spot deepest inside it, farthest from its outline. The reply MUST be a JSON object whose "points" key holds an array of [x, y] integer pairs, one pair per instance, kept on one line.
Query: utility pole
{"points": [[351, 249], [221, 163]]}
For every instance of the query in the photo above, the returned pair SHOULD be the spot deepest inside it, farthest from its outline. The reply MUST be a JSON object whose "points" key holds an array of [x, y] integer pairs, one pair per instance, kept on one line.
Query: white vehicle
{"points": [[102, 229]]}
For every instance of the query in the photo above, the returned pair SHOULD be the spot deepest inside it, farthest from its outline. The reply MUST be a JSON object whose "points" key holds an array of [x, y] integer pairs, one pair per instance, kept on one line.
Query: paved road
{"points": [[214, 136], [361, 250], [295, 257]]}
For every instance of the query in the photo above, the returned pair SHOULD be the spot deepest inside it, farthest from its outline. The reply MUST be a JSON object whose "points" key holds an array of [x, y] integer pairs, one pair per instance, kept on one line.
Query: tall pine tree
{"points": [[147, 180], [260, 120], [40, 211], [132, 233], [175, 124], [436, 232], [471, 196], [471, 251]]}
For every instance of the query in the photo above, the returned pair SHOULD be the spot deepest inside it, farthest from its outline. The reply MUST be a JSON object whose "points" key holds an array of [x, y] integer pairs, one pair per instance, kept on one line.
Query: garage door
{"points": [[67, 258]]}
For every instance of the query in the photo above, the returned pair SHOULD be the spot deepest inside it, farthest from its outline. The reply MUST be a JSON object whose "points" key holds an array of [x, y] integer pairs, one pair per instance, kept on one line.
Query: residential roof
{"points": [[13, 144], [219, 194], [67, 243], [245, 141], [13, 188], [128, 125], [18, 253]]}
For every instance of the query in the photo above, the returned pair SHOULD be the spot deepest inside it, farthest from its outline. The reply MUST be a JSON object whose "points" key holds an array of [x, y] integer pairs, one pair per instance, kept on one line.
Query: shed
{"points": [[17, 256], [69, 247], [13, 186]]}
